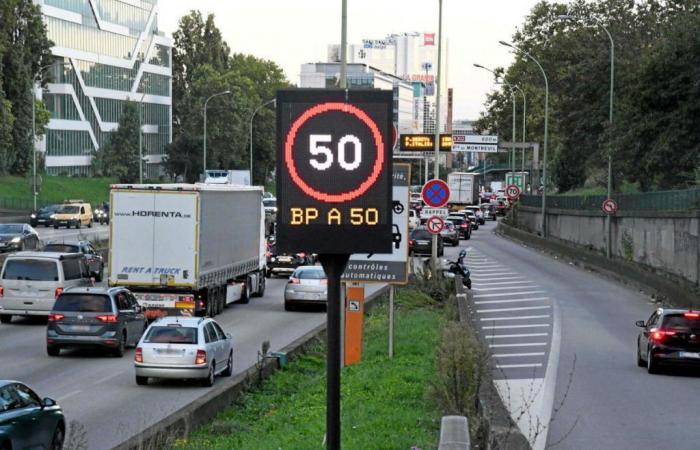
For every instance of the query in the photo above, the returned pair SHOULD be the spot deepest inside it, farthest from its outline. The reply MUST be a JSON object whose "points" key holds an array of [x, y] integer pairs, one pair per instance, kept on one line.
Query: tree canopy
{"points": [[119, 157]]}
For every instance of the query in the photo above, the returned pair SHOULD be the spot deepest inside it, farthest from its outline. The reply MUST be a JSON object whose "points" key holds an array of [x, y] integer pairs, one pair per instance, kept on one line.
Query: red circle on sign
{"points": [[324, 196], [513, 191], [435, 224], [435, 193], [609, 206]]}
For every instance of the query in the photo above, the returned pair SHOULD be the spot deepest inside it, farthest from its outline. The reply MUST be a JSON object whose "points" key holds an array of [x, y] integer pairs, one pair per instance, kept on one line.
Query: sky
{"points": [[295, 32]]}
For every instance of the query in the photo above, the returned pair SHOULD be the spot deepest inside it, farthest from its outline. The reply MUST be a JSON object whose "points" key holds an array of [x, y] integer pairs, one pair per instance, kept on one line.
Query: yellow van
{"points": [[73, 213]]}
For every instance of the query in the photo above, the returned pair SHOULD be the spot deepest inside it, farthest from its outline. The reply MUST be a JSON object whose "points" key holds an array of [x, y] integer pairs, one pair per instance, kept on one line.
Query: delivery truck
{"points": [[462, 188], [187, 249]]}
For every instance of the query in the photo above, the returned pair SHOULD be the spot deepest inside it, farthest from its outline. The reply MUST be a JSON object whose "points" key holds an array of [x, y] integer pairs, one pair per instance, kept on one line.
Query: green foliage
{"points": [[119, 157], [203, 66], [653, 139], [54, 189], [386, 403]]}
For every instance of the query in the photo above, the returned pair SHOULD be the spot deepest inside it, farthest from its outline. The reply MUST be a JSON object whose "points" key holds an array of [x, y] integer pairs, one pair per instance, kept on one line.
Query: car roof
{"points": [[93, 290], [310, 267], [185, 321], [45, 255], [67, 242], [667, 311]]}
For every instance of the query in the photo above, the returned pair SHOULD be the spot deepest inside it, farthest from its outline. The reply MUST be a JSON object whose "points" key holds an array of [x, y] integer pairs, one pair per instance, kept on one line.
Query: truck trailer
{"points": [[187, 249], [462, 188]]}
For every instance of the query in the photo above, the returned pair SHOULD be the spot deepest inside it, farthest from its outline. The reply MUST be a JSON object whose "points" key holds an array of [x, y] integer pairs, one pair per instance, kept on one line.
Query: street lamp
{"points": [[141, 135], [206, 102], [546, 132], [608, 220], [273, 101], [437, 122]]}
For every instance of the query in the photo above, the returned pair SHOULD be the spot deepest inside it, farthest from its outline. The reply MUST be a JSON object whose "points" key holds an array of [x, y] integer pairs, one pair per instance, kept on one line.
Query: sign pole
{"points": [[334, 266], [437, 122], [391, 321]]}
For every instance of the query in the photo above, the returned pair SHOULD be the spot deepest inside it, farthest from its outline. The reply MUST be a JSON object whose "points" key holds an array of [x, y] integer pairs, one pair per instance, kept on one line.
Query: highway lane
{"points": [[96, 233], [610, 403], [99, 391]]}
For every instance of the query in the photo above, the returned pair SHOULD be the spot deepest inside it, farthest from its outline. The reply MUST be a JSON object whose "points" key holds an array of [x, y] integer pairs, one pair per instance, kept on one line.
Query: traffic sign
{"points": [[435, 193], [334, 171], [429, 212], [435, 224], [609, 206], [513, 191]]}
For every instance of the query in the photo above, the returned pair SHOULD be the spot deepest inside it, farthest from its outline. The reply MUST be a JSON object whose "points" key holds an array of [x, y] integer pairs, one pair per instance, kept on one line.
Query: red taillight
{"points": [[138, 356], [659, 335], [107, 318], [268, 254], [187, 298], [201, 303], [689, 315], [464, 225], [324, 281], [58, 292], [411, 243], [56, 317], [2, 291], [201, 357], [294, 281]]}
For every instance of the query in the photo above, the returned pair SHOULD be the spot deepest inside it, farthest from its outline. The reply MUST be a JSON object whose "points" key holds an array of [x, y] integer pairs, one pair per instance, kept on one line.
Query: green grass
{"points": [[625, 188], [385, 403], [16, 192]]}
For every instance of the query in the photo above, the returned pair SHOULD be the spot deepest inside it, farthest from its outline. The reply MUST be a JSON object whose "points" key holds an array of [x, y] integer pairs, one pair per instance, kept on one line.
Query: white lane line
{"points": [[70, 394], [506, 288], [516, 366], [492, 272], [534, 299], [528, 344], [508, 293], [542, 316], [524, 308], [515, 355], [509, 327], [503, 283], [497, 278], [487, 266], [506, 336]]}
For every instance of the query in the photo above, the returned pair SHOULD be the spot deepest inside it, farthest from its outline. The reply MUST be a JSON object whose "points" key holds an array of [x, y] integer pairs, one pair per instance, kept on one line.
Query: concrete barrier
{"points": [[454, 433]]}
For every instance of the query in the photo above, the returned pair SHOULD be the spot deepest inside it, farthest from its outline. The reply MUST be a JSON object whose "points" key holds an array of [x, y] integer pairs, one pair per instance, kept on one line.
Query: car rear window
{"points": [[681, 323], [62, 248], [72, 209], [11, 229], [421, 234], [171, 335], [456, 220], [30, 270], [83, 303], [310, 274]]}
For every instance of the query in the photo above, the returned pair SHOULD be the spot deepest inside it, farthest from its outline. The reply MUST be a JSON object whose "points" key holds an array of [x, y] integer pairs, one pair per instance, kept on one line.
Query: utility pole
{"points": [[437, 122]]}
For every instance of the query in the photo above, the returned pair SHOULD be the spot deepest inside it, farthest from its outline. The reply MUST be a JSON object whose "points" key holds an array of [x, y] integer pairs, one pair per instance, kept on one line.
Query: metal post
{"points": [[608, 219], [437, 123], [512, 148], [33, 94], [141, 137], [344, 46], [522, 166], [206, 103], [334, 265], [273, 101], [391, 321]]}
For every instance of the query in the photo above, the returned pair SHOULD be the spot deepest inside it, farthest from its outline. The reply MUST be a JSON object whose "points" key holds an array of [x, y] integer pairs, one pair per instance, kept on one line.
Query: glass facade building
{"points": [[107, 53]]}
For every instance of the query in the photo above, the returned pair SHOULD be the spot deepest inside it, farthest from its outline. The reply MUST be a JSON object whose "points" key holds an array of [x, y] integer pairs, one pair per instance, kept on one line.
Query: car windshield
{"points": [[171, 335], [681, 323], [449, 226], [270, 202], [83, 303], [62, 248], [456, 220], [30, 270], [11, 229], [421, 234], [310, 274], [49, 209], [69, 209]]}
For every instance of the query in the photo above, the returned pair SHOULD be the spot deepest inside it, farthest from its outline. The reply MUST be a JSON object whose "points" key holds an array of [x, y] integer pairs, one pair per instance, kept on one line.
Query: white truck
{"points": [[462, 188], [187, 249], [238, 177]]}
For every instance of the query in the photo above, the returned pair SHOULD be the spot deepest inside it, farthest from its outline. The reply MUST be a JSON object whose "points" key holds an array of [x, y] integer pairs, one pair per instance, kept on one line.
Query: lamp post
{"points": [[546, 133], [141, 136], [608, 220], [274, 102], [206, 102], [437, 122]]}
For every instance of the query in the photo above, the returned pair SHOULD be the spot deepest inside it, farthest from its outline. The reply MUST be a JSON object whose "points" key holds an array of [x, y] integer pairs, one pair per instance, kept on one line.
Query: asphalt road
{"points": [[99, 392], [600, 398], [96, 233]]}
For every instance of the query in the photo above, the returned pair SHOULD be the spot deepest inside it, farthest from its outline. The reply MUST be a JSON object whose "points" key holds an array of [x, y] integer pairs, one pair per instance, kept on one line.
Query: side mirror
{"points": [[138, 309], [640, 323], [48, 402], [229, 336]]}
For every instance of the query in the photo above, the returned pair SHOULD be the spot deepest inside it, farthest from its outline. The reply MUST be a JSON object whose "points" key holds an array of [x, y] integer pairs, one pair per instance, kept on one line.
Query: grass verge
{"points": [[16, 192], [386, 402]]}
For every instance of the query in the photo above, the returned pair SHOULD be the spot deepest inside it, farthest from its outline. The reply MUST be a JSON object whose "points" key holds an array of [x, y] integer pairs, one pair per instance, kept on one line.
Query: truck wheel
{"points": [[5, 318], [245, 295], [263, 284], [210, 304]]}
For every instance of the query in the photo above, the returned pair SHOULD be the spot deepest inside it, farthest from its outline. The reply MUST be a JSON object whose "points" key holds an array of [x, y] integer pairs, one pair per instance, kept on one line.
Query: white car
{"points": [[413, 219], [184, 348]]}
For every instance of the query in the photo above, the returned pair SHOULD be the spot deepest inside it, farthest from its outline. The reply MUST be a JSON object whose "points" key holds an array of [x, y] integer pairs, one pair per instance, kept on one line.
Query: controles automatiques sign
{"points": [[334, 171]]}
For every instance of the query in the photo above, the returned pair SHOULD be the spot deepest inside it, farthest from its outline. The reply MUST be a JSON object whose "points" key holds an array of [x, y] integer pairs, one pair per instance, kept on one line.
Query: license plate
{"points": [[184, 305], [169, 351], [80, 328], [691, 355], [285, 259]]}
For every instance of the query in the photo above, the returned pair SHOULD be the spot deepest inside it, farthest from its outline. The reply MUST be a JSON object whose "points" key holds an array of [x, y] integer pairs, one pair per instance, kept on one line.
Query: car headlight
{"points": [[16, 240], [52, 216], [33, 216], [273, 259]]}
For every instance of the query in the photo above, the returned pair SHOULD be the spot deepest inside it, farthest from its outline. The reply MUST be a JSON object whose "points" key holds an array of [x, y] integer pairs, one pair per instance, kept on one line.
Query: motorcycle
{"points": [[454, 268]]}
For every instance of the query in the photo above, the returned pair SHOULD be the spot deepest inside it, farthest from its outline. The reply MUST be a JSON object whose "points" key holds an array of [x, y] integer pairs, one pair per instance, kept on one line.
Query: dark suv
{"points": [[95, 317], [94, 261], [669, 336], [421, 242]]}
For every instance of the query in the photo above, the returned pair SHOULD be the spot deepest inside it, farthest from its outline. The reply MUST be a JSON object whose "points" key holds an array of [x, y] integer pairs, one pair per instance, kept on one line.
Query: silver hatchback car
{"points": [[184, 348], [308, 286]]}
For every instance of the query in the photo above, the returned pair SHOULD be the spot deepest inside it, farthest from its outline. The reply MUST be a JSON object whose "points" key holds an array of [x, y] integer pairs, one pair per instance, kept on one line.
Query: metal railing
{"points": [[680, 200]]}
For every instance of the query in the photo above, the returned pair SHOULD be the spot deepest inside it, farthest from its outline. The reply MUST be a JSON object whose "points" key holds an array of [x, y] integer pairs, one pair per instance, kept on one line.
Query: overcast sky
{"points": [[295, 32]]}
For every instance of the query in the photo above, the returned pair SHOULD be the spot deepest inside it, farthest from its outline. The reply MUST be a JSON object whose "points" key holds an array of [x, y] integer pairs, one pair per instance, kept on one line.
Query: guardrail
{"points": [[679, 200]]}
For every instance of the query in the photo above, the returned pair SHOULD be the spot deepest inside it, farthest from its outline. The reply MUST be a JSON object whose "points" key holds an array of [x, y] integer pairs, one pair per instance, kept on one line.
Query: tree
{"points": [[119, 157], [24, 49]]}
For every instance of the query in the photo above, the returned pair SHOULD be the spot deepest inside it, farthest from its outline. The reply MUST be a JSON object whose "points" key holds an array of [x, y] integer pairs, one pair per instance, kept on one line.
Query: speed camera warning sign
{"points": [[334, 171]]}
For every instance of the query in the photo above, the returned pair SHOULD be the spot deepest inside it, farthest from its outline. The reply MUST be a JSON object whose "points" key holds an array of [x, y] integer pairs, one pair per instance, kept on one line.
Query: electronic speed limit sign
{"points": [[334, 171]]}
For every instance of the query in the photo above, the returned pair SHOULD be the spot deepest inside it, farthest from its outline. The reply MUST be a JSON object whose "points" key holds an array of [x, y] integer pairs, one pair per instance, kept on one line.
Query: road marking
{"points": [[508, 327], [506, 288], [486, 266], [506, 336], [534, 299], [508, 293], [503, 283], [498, 278], [524, 308], [494, 271], [543, 316], [528, 344], [515, 355], [516, 366], [70, 394]]}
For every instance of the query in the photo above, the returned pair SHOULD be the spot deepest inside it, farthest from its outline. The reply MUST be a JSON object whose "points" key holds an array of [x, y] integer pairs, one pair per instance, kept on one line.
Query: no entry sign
{"points": [[435, 193], [435, 224], [334, 171], [513, 191], [609, 206]]}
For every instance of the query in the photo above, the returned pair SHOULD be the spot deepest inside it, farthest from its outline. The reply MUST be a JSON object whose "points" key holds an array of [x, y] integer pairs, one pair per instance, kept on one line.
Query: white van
{"points": [[31, 281], [413, 219]]}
